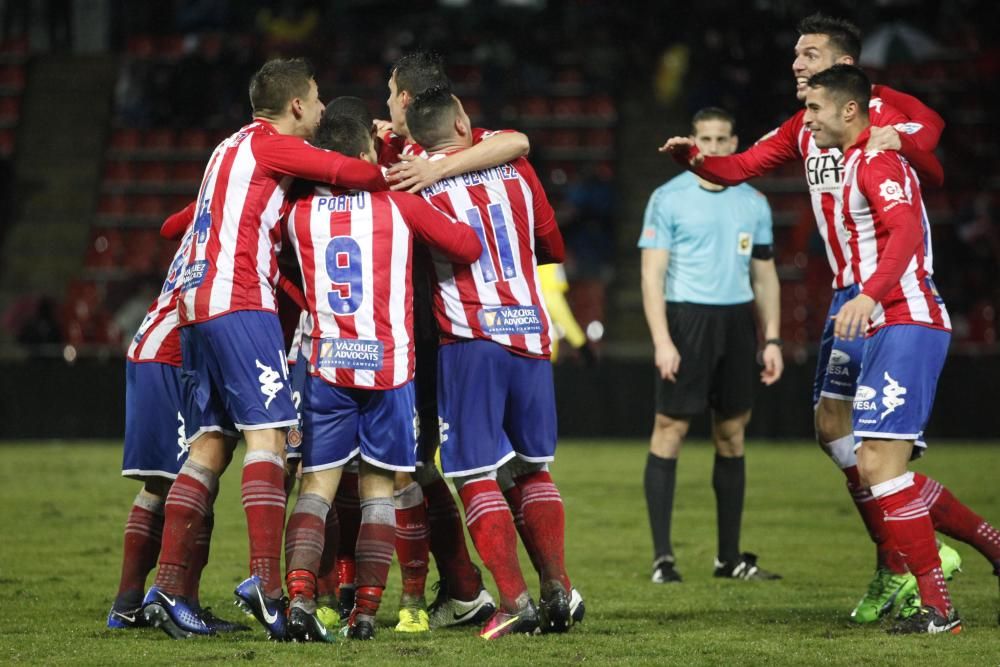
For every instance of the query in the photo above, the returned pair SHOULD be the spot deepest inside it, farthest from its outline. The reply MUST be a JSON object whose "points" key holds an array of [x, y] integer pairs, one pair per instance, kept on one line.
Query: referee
{"points": [[707, 253]]}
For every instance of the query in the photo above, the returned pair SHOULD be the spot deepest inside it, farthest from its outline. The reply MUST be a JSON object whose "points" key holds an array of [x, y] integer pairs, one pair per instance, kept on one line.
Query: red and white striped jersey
{"points": [[157, 338], [823, 169], [355, 251], [889, 236], [394, 145], [499, 297], [233, 260]]}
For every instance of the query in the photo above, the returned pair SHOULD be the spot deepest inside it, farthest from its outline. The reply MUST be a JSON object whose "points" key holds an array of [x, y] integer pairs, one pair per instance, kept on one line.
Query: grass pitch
{"points": [[63, 507]]}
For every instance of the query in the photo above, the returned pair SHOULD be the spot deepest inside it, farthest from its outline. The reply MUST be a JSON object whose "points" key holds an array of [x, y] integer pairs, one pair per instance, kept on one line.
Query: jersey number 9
{"points": [[343, 265]]}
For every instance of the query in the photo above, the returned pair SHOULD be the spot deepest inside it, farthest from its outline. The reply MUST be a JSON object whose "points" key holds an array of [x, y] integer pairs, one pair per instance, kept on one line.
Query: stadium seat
{"points": [[118, 172], [104, 250], [160, 138], [12, 77], [125, 139], [154, 172], [141, 247]]}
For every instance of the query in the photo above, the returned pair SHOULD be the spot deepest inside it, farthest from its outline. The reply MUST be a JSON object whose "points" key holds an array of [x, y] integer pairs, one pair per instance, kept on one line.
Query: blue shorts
{"points": [[898, 380], [492, 405], [839, 360], [234, 367], [155, 442], [340, 422]]}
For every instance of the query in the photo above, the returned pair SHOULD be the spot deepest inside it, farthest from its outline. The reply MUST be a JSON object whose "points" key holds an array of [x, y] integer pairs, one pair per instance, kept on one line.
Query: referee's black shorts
{"points": [[718, 348]]}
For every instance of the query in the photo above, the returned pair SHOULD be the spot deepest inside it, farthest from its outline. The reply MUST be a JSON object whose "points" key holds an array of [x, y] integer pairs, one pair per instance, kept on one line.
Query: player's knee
{"points": [[402, 480], [409, 496], [833, 421], [462, 480], [157, 487]]}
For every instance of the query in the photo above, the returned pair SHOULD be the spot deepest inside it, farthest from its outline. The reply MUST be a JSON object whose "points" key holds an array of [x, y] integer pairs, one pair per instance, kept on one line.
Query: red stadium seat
{"points": [[12, 77], [141, 46], [194, 139], [141, 247], [104, 250], [153, 172], [533, 107], [158, 139], [125, 139], [6, 142], [118, 171], [189, 171]]}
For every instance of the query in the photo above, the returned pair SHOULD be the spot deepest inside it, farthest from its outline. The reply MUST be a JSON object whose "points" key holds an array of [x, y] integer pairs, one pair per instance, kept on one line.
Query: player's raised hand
{"points": [[682, 146], [668, 361], [852, 318], [883, 139], [382, 127], [774, 364], [413, 174]]}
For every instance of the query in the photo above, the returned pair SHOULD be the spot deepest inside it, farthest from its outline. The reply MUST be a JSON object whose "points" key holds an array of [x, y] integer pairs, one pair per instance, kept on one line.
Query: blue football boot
{"points": [[173, 615]]}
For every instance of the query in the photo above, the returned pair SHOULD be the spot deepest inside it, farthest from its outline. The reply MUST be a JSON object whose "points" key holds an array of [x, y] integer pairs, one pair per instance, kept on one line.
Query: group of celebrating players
{"points": [[865, 150], [422, 330], [304, 187]]}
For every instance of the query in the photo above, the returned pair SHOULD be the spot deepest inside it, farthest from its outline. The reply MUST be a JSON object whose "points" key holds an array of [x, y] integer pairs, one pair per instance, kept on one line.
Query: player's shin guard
{"points": [[908, 522], [447, 540], [955, 519], [514, 500], [326, 578], [349, 513], [376, 544], [263, 493], [188, 503], [143, 533], [545, 522], [872, 516], [492, 528], [304, 544], [199, 557], [412, 535]]}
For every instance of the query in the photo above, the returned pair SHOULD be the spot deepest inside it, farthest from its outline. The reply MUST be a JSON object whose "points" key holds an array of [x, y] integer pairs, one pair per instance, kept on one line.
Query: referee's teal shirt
{"points": [[710, 236]]}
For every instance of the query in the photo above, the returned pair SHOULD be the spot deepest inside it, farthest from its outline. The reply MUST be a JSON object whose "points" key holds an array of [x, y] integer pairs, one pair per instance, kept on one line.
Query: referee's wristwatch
{"points": [[774, 341]]}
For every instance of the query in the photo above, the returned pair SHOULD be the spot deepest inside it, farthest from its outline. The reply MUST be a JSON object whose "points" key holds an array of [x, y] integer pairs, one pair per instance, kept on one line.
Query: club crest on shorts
{"points": [[294, 436]]}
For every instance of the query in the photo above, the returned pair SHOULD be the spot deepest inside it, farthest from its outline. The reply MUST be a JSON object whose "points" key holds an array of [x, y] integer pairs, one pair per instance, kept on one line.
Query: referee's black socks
{"points": [[729, 483], [660, 480]]}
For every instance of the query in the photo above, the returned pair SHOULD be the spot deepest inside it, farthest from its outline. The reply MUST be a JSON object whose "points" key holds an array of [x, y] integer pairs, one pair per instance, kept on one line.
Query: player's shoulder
{"points": [[680, 183]]}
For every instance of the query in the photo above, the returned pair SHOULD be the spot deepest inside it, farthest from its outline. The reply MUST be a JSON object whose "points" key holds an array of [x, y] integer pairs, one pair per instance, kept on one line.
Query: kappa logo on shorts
{"points": [[443, 427], [270, 383], [839, 358], [891, 394], [181, 437]]}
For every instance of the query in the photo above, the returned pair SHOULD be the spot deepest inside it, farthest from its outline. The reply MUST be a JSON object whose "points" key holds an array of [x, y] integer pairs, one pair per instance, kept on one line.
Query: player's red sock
{"points": [[187, 504], [447, 542], [545, 521], [492, 528], [412, 545], [871, 515], [908, 522], [376, 544], [513, 496], [349, 513], [304, 543], [199, 558], [264, 504], [143, 532], [326, 578], [955, 519]]}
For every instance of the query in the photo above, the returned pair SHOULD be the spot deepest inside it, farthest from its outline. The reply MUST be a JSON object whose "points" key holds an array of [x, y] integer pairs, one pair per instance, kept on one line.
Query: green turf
{"points": [[62, 508]]}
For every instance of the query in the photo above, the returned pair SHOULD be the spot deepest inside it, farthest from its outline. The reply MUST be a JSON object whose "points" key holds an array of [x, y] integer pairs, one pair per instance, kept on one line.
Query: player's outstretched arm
{"points": [[770, 151], [413, 174], [923, 132], [458, 242], [291, 156]]}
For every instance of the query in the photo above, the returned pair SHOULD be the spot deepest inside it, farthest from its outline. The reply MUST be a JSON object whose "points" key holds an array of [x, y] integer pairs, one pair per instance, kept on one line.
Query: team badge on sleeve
{"points": [[891, 191]]}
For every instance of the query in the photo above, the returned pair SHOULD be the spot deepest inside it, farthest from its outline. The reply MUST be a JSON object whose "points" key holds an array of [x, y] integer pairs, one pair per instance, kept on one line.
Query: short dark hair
{"points": [[430, 115], [343, 134], [277, 83], [845, 83], [844, 36], [713, 113], [351, 107], [420, 71]]}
